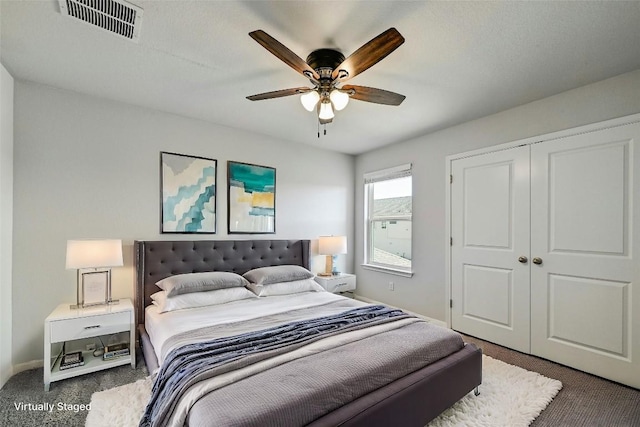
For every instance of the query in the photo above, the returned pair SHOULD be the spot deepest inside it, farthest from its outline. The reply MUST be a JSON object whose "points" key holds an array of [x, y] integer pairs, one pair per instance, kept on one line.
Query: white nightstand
{"points": [[72, 330], [341, 283]]}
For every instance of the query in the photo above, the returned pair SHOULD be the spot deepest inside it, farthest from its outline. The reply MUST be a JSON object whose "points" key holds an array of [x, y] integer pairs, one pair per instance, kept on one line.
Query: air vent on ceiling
{"points": [[114, 16]]}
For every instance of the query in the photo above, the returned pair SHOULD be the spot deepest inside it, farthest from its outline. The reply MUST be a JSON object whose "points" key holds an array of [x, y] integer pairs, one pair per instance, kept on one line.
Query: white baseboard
{"points": [[33, 364], [428, 319]]}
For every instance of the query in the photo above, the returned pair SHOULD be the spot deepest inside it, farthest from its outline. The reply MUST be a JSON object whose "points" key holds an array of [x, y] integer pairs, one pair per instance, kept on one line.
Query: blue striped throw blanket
{"points": [[190, 363]]}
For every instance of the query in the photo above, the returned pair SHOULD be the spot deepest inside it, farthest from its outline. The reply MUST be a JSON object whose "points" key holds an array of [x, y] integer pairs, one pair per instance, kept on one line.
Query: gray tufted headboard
{"points": [[156, 260]]}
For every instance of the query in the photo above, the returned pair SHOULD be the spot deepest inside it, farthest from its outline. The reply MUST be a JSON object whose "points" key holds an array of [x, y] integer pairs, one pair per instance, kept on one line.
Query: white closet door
{"points": [[490, 231], [585, 311]]}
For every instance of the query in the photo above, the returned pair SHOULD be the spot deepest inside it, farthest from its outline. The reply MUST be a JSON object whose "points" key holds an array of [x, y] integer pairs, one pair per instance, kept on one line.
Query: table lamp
{"points": [[93, 259], [332, 246]]}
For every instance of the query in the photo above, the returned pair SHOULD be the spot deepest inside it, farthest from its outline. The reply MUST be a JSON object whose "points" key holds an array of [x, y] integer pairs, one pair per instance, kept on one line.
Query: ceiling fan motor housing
{"points": [[325, 58], [324, 61]]}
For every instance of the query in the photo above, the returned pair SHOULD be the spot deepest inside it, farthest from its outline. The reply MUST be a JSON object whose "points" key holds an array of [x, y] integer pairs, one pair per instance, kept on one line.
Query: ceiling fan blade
{"points": [[371, 94], [369, 54], [279, 93], [283, 52]]}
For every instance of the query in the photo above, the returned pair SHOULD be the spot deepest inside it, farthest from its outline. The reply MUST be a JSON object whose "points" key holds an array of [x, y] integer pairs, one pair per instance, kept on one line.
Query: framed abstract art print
{"points": [[251, 198], [187, 193]]}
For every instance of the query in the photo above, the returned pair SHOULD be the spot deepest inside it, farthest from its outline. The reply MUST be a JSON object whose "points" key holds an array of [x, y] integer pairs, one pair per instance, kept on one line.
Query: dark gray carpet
{"points": [[585, 400], [27, 387]]}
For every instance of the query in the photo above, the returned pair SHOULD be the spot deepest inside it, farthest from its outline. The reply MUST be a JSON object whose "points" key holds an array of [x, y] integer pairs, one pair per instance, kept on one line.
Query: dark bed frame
{"points": [[413, 400]]}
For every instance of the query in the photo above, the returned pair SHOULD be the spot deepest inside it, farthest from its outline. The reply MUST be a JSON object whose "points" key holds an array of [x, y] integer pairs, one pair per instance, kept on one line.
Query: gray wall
{"points": [[89, 168], [424, 293], [6, 220]]}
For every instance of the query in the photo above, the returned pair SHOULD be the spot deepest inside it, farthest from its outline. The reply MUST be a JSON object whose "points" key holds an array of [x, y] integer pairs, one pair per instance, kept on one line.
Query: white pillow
{"points": [[285, 288], [199, 299]]}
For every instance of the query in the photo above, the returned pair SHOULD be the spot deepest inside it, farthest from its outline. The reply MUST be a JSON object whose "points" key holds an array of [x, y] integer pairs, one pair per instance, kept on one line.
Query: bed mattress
{"points": [[162, 326], [301, 385]]}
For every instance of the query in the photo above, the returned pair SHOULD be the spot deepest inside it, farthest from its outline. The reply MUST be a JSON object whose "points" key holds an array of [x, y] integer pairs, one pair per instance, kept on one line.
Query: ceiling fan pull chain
{"points": [[324, 128]]}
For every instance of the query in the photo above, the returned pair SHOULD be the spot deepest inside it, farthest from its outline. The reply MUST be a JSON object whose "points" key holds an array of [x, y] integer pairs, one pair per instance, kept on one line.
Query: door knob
{"points": [[537, 260], [523, 259]]}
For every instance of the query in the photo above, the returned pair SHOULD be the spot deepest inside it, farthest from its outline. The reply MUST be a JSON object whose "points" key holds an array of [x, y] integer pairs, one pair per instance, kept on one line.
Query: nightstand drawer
{"points": [[91, 326], [340, 283]]}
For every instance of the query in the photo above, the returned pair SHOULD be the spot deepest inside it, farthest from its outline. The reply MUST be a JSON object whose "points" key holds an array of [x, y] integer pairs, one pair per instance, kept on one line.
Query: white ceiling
{"points": [[460, 61]]}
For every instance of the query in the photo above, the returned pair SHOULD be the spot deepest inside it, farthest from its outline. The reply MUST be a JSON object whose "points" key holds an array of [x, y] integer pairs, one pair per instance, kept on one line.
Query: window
{"points": [[388, 200]]}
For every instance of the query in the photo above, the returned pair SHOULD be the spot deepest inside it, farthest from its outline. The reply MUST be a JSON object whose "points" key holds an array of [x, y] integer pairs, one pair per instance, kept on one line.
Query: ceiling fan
{"points": [[327, 70]]}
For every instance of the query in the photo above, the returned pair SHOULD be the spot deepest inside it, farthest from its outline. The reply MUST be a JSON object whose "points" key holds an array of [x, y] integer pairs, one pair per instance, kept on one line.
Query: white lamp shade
{"points": [[310, 99], [326, 111], [94, 253], [340, 99], [332, 245]]}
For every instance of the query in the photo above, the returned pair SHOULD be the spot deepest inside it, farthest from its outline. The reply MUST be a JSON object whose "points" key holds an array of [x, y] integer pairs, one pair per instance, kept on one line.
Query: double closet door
{"points": [[544, 254]]}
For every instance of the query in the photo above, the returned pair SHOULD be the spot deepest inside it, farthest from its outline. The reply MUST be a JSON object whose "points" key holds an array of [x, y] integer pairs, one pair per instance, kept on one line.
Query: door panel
{"points": [[573, 322], [582, 220], [480, 281], [587, 193], [487, 206], [490, 230]]}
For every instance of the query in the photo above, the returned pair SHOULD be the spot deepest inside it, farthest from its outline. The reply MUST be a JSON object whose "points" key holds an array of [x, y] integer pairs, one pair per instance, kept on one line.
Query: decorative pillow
{"points": [[277, 274], [200, 282], [199, 299], [285, 288]]}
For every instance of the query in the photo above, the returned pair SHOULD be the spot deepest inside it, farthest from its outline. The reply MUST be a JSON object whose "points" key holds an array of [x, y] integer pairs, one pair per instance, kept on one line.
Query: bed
{"points": [[412, 399]]}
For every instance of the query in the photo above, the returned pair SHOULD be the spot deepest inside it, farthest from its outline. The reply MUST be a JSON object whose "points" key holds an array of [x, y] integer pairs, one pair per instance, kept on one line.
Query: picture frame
{"points": [[94, 288], [188, 189], [251, 198]]}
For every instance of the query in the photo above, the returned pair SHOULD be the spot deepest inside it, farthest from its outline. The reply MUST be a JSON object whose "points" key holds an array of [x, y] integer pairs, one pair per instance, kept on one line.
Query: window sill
{"points": [[389, 270]]}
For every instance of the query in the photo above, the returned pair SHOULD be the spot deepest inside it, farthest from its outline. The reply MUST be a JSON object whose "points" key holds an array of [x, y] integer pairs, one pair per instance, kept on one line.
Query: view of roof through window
{"points": [[391, 225]]}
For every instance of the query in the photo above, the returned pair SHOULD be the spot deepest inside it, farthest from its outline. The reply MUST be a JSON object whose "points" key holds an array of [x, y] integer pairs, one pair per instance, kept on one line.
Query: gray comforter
{"points": [[355, 352]]}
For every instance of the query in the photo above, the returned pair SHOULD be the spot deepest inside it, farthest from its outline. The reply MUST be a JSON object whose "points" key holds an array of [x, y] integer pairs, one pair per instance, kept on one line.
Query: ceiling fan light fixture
{"points": [[327, 69], [339, 99], [310, 99], [326, 111]]}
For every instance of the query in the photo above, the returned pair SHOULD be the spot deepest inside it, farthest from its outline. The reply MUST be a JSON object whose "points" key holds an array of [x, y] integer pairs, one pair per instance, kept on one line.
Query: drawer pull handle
{"points": [[92, 327]]}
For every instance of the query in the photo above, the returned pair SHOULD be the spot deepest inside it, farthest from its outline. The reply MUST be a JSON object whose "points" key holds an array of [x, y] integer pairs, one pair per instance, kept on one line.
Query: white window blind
{"points": [[389, 173]]}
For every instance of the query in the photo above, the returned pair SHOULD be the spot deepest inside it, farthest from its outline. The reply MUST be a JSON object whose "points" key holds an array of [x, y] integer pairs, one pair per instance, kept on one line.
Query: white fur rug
{"points": [[509, 396], [119, 406]]}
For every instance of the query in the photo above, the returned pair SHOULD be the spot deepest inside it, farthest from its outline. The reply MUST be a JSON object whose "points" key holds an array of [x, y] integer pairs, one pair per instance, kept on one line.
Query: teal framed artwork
{"points": [[187, 194], [251, 198]]}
